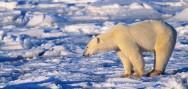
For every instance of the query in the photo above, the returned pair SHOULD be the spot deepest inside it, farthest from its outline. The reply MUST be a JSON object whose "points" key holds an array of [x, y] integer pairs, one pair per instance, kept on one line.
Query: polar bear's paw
{"points": [[136, 75], [154, 73], [125, 75], [133, 75]]}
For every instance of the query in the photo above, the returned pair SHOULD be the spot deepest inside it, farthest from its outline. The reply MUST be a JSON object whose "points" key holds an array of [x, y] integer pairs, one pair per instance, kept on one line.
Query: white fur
{"points": [[130, 41]]}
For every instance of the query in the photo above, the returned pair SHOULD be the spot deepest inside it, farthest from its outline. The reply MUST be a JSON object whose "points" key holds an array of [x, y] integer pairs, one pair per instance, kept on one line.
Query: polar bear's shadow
{"points": [[184, 69]]}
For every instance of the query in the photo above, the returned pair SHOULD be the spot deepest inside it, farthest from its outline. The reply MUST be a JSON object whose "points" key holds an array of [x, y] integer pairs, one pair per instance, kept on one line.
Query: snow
{"points": [[181, 16], [81, 29], [8, 5], [139, 6], [42, 41], [40, 19], [176, 83], [109, 12], [75, 1]]}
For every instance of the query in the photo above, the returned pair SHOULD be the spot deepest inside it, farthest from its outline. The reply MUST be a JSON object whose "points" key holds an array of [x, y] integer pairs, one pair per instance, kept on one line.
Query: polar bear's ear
{"points": [[94, 35], [98, 40]]}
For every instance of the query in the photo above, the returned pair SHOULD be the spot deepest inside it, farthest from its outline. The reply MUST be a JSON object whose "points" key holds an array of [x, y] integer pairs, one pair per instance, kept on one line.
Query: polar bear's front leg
{"points": [[137, 62], [126, 64], [127, 46], [133, 53]]}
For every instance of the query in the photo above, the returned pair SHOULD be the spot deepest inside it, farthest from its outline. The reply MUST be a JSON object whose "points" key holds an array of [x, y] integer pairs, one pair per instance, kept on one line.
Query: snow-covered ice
{"points": [[42, 41], [181, 16]]}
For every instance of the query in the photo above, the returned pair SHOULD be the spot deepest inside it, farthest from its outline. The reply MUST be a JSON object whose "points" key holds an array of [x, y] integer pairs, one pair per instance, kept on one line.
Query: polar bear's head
{"points": [[92, 47], [101, 43]]}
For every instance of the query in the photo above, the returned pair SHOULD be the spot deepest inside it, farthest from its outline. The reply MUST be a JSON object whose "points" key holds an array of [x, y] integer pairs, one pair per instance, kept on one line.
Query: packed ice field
{"points": [[42, 42]]}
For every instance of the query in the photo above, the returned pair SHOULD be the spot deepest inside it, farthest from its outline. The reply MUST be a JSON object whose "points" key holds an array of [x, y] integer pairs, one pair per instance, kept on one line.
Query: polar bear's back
{"points": [[146, 33]]}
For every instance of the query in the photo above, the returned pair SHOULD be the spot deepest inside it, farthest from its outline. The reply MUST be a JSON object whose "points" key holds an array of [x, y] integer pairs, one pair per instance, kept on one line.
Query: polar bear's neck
{"points": [[107, 43]]}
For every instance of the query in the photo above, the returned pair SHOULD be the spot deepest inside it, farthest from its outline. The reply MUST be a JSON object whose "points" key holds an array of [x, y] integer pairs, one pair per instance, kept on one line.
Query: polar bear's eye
{"points": [[98, 40]]}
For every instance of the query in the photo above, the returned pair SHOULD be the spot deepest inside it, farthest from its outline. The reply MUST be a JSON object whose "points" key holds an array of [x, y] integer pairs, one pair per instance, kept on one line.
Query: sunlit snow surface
{"points": [[42, 41]]}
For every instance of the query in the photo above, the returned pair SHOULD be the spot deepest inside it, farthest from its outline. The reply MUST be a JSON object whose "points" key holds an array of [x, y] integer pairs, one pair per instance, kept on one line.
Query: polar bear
{"points": [[130, 41]]}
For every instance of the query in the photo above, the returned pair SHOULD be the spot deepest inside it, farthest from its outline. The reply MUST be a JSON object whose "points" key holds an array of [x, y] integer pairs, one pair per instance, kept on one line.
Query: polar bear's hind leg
{"points": [[163, 51]]}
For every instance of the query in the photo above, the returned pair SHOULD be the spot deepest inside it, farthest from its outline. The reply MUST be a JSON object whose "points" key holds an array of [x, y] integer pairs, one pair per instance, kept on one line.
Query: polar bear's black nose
{"points": [[85, 55]]}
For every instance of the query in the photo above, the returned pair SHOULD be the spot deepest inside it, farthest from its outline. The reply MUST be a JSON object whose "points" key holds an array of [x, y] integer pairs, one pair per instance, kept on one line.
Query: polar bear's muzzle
{"points": [[86, 54]]}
